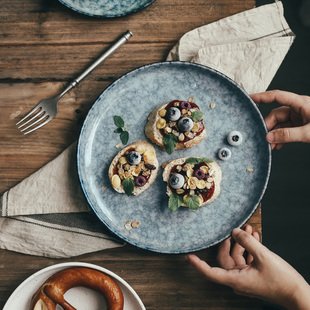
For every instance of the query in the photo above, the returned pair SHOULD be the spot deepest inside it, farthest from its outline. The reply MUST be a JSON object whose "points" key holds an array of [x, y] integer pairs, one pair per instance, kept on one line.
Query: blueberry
{"points": [[185, 124], [173, 114], [185, 105], [177, 181], [234, 138], [199, 174], [140, 180], [224, 153], [133, 158]]}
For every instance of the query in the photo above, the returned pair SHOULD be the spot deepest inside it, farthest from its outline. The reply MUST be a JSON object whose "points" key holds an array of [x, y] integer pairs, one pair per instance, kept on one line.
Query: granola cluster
{"points": [[181, 124], [139, 171], [197, 180]]}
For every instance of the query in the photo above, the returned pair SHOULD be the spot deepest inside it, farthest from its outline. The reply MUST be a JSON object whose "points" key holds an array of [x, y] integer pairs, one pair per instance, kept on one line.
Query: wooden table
{"points": [[43, 46]]}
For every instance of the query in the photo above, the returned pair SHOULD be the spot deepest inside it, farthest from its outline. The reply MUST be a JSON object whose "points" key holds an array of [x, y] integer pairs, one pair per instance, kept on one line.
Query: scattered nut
{"points": [[162, 112], [201, 184], [205, 169], [135, 224], [116, 181], [123, 160], [168, 130], [118, 145], [212, 105], [104, 187], [192, 182], [250, 170], [195, 127], [161, 123], [191, 99], [181, 137], [128, 225]]}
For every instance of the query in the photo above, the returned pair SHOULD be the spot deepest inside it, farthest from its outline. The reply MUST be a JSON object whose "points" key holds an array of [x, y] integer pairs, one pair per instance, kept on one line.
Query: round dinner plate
{"points": [[245, 174], [79, 297], [106, 8]]}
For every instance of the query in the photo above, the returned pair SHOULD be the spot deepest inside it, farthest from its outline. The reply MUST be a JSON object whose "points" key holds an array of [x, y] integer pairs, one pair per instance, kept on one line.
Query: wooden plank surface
{"points": [[43, 45]]}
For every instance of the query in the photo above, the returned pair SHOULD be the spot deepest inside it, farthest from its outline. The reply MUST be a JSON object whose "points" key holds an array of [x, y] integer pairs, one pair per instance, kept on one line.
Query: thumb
{"points": [[249, 243], [285, 135]]}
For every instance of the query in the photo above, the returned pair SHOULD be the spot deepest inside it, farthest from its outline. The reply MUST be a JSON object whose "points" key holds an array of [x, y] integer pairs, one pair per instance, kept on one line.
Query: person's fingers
{"points": [[213, 274], [223, 255], [286, 135], [277, 116], [250, 257], [238, 251], [279, 96], [253, 246]]}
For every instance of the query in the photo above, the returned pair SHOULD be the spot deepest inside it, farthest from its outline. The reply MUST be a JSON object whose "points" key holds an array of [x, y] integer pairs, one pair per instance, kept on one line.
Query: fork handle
{"points": [[123, 39]]}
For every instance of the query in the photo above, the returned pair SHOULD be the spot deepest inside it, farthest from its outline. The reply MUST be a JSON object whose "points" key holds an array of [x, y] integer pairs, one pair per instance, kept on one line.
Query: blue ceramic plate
{"points": [[106, 8], [133, 97]]}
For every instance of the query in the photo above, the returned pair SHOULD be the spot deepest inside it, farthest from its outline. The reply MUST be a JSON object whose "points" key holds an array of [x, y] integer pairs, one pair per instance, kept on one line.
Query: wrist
{"points": [[300, 299]]}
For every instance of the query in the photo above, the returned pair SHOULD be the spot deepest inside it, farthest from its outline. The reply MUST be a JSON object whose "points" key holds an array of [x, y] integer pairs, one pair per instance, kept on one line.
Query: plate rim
{"points": [[107, 15], [186, 63], [71, 265]]}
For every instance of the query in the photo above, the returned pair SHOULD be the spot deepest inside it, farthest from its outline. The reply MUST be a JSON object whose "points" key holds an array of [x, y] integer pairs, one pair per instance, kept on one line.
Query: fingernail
{"points": [[270, 137], [236, 230]]}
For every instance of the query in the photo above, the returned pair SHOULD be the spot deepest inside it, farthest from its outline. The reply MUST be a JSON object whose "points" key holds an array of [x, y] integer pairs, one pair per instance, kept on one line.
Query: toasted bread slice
{"points": [[146, 170], [206, 185], [159, 125]]}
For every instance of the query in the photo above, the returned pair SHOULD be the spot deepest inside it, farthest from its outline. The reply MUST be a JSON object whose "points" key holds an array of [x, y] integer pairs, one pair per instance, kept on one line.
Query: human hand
{"points": [[288, 123], [262, 275]]}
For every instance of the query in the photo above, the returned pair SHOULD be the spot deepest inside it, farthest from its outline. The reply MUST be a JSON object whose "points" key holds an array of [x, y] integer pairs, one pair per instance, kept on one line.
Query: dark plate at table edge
{"points": [[200, 247], [108, 15]]}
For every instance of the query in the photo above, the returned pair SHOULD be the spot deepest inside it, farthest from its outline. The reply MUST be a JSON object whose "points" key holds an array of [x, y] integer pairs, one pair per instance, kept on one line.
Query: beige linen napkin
{"points": [[47, 214], [248, 47]]}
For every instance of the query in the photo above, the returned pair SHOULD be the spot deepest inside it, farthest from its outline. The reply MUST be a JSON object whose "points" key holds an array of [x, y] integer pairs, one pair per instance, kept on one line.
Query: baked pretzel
{"points": [[52, 291]]}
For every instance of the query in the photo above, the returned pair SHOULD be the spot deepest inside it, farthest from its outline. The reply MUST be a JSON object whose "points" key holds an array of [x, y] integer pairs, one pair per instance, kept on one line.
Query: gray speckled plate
{"points": [[133, 97], [106, 8]]}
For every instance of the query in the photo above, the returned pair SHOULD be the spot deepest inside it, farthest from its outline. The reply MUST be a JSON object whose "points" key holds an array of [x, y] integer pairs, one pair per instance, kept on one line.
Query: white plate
{"points": [[79, 297]]}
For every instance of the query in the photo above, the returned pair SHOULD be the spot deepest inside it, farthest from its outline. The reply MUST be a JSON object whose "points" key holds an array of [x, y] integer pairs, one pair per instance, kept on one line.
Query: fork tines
{"points": [[40, 118]]}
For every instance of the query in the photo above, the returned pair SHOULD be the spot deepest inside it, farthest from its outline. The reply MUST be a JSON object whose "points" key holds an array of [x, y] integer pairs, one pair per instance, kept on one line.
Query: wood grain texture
{"points": [[43, 45]]}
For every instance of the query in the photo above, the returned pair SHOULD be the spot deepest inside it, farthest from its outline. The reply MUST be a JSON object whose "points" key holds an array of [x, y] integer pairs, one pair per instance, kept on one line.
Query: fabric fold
{"points": [[248, 47]]}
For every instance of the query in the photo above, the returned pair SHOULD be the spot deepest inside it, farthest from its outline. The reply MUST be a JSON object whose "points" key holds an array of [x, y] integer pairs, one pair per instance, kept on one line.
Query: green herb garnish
{"points": [[192, 202], [120, 124], [175, 202], [197, 115], [170, 142], [128, 185], [194, 160]]}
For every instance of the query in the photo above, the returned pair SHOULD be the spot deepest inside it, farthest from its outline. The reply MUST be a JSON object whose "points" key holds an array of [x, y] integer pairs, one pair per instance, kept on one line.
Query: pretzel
{"points": [[52, 291]]}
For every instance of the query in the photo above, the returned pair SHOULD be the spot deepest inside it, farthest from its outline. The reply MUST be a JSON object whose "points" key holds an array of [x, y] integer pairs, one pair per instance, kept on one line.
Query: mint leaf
{"points": [[128, 185], [192, 202], [197, 115], [175, 202], [118, 130], [118, 121], [124, 137], [170, 142], [195, 160]]}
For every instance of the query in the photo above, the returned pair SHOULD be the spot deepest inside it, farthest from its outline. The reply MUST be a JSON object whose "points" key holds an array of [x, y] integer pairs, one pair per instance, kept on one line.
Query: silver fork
{"points": [[46, 109]]}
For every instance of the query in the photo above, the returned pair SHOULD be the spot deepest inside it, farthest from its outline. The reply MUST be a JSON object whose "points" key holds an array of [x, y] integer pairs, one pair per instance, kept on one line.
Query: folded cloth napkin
{"points": [[248, 47], [47, 214]]}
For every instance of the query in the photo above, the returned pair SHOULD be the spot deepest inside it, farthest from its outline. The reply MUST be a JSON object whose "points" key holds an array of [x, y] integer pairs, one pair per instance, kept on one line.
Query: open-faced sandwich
{"points": [[192, 182], [134, 168], [176, 125]]}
